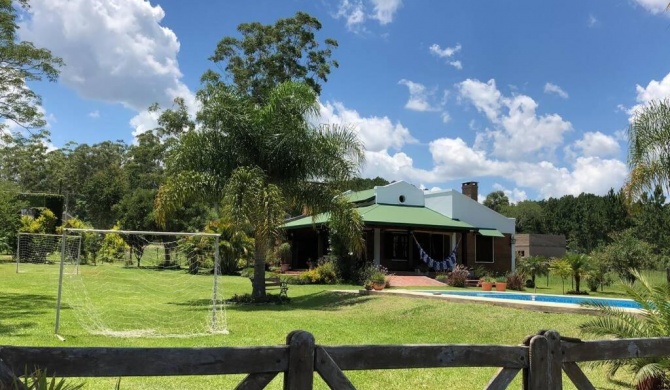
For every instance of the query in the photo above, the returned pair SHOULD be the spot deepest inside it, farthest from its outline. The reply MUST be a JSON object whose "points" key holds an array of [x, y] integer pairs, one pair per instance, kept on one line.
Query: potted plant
{"points": [[501, 283], [378, 280], [487, 283], [283, 253]]}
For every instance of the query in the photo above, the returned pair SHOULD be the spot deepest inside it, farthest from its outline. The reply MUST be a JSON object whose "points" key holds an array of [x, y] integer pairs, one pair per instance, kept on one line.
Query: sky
{"points": [[528, 97]]}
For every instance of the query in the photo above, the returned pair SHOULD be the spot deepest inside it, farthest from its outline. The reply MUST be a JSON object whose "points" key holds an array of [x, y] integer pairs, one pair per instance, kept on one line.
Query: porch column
{"points": [[512, 242], [378, 246]]}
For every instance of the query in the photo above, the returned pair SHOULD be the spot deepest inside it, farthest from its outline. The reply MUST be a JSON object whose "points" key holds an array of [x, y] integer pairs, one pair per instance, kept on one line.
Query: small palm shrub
{"points": [[649, 373]]}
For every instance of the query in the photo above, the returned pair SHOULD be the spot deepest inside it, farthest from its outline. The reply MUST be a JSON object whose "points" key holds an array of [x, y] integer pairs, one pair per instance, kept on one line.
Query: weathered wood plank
{"points": [[330, 372], [502, 379], [538, 373], [617, 349], [300, 373], [577, 376], [106, 362], [555, 360], [8, 379], [379, 357], [256, 381]]}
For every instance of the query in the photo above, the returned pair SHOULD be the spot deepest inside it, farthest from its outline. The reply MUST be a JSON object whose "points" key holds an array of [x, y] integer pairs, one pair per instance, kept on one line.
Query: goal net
{"points": [[144, 284], [36, 248]]}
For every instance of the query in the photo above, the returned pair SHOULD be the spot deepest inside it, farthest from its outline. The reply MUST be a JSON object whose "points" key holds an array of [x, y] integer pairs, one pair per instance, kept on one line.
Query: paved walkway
{"points": [[413, 281]]}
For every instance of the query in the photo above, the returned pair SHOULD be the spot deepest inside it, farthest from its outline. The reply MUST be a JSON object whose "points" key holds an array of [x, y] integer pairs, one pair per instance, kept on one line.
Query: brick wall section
{"points": [[548, 245]]}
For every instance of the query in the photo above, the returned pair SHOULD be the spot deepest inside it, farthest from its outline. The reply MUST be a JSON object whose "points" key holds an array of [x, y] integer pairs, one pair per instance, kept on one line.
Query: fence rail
{"points": [[541, 358]]}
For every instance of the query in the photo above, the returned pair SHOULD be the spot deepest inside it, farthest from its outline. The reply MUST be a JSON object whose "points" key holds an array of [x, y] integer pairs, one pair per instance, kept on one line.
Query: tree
{"points": [[269, 55], [578, 263], [496, 201], [533, 266], [562, 269], [650, 373], [273, 147], [529, 216], [651, 219], [649, 149], [10, 216], [626, 252], [21, 62]]}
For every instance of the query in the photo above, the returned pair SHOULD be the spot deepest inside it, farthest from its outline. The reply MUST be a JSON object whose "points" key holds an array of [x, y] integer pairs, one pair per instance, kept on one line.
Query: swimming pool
{"points": [[574, 300]]}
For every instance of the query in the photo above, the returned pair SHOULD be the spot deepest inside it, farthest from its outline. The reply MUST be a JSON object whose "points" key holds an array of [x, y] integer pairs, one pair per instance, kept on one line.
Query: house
{"points": [[406, 227], [547, 245]]}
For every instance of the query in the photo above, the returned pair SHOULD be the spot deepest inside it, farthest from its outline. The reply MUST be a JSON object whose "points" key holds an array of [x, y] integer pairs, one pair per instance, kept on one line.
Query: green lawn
{"points": [[28, 300]]}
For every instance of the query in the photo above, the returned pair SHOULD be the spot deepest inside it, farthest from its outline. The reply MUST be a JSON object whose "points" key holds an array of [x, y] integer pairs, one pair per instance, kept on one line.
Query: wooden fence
{"points": [[541, 359]]}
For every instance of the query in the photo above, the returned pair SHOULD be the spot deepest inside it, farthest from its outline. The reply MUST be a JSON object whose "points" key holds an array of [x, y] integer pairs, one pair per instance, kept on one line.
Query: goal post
{"points": [[41, 248], [144, 283]]}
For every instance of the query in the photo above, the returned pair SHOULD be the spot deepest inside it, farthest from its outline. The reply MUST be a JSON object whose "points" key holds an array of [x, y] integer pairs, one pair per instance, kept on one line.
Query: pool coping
{"points": [[547, 307]]}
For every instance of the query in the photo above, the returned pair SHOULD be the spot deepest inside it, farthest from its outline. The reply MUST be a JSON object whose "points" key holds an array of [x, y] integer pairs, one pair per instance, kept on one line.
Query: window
{"points": [[399, 246], [520, 253], [484, 249]]}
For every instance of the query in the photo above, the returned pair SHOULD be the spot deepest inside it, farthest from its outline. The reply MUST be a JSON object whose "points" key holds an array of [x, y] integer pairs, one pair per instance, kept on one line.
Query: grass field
{"points": [[27, 301]]}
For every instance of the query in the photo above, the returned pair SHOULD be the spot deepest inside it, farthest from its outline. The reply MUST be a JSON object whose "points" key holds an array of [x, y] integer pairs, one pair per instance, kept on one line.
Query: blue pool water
{"points": [[622, 303]]}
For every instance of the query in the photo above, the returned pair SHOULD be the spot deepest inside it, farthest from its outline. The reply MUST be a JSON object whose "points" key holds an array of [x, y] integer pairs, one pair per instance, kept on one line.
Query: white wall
{"points": [[458, 206], [392, 193]]}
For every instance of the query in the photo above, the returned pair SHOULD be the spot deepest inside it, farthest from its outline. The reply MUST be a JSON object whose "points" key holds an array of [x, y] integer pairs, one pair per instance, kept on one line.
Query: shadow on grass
{"points": [[24, 307], [323, 300]]}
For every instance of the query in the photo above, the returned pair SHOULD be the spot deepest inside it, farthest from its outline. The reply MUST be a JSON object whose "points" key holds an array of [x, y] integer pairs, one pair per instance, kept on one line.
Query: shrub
{"points": [[250, 299], [444, 278], [327, 272], [515, 281], [368, 270], [458, 276]]}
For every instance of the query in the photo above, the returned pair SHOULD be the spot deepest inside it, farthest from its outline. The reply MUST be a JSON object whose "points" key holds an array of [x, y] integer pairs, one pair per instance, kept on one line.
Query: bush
{"points": [[444, 278], [324, 273], [458, 276], [515, 281], [249, 299], [368, 270]]}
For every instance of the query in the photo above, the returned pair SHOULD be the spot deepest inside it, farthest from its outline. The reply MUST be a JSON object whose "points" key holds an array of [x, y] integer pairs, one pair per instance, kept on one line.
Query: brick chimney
{"points": [[471, 189]]}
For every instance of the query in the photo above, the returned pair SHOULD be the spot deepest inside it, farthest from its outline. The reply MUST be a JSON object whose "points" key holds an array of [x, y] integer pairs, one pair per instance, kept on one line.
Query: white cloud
{"points": [[384, 10], [377, 133], [445, 117], [593, 21], [355, 12], [594, 144], [456, 64], [115, 51], [551, 88], [447, 52], [655, 90], [653, 6], [418, 96], [514, 195], [519, 133], [94, 114]]}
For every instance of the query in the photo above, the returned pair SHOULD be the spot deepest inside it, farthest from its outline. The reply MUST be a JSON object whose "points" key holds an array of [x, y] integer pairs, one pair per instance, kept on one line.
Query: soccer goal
{"points": [[143, 284], [36, 248]]}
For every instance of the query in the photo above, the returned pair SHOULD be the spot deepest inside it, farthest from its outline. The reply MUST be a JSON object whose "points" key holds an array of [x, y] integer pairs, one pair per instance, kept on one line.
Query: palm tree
{"points": [[650, 373], [649, 148], [533, 266], [258, 160], [578, 263]]}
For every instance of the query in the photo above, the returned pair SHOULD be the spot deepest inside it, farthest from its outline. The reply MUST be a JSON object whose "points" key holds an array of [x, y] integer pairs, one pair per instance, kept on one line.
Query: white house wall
{"points": [[455, 205], [392, 193]]}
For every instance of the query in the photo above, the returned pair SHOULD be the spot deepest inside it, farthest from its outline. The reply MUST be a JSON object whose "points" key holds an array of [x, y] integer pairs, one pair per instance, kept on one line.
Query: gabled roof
{"points": [[381, 214], [360, 196]]}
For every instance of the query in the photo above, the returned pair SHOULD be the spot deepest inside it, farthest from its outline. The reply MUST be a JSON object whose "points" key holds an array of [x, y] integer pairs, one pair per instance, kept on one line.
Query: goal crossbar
{"points": [[73, 230]]}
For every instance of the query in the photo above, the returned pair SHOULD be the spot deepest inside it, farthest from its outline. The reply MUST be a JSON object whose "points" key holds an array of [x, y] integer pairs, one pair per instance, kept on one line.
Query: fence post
{"points": [[538, 372], [555, 360], [300, 373]]}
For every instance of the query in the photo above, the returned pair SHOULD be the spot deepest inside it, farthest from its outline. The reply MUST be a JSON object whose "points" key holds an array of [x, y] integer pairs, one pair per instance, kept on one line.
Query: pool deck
{"points": [[547, 307]]}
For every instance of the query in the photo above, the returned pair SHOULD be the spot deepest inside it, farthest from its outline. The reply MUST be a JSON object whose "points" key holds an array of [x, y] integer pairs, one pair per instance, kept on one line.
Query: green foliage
{"points": [[533, 266], [529, 216], [598, 275], [45, 223], [268, 55], [654, 322], [651, 218], [360, 184], [113, 247], [21, 63], [91, 242], [40, 380], [515, 281], [578, 264], [496, 201], [10, 221], [626, 252], [562, 269], [648, 152]]}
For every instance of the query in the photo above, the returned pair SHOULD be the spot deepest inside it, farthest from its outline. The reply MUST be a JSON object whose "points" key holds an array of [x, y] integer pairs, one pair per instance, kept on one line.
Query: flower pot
{"points": [[501, 286], [378, 286], [285, 267], [487, 286]]}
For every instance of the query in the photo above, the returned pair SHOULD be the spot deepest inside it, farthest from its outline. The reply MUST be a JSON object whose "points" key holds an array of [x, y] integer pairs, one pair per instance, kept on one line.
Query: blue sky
{"points": [[529, 97]]}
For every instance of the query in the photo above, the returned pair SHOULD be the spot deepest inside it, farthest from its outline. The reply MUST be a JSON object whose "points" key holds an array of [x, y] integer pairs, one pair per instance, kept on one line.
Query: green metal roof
{"points": [[360, 196], [491, 233], [390, 215]]}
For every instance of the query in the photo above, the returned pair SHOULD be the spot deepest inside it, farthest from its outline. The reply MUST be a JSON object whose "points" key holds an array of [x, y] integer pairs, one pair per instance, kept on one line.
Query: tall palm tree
{"points": [[533, 266], [578, 263], [649, 148], [260, 159], [650, 373]]}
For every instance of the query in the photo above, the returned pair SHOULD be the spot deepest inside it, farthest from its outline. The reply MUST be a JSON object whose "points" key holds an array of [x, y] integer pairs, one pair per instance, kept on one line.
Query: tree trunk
{"points": [[258, 285], [578, 278]]}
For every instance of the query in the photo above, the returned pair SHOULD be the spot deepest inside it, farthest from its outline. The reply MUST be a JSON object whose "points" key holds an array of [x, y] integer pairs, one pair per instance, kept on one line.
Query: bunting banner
{"points": [[447, 264]]}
